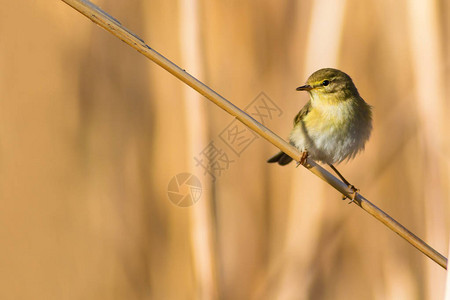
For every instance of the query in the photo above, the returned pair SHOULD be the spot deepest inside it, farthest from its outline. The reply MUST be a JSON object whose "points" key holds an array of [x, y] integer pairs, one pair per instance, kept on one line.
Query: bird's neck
{"points": [[336, 107]]}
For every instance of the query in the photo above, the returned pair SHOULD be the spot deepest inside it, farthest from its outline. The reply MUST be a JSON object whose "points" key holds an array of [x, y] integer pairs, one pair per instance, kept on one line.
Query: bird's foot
{"points": [[352, 197], [302, 158]]}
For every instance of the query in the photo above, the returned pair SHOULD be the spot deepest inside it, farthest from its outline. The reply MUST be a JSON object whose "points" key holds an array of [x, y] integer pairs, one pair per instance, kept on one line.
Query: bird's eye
{"points": [[325, 82]]}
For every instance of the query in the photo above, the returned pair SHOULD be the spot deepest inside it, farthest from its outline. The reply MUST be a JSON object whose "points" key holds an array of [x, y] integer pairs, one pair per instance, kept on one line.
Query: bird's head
{"points": [[330, 85]]}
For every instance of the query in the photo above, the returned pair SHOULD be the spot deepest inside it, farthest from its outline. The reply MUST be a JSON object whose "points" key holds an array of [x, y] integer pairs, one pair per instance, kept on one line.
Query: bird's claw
{"points": [[303, 158], [352, 197]]}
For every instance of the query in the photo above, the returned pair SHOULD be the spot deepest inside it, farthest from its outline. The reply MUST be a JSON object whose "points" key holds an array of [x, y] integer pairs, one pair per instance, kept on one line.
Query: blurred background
{"points": [[92, 133]]}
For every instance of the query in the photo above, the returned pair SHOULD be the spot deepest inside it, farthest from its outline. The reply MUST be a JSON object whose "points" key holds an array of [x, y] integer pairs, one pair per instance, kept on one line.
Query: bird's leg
{"points": [[340, 175], [351, 186], [303, 158]]}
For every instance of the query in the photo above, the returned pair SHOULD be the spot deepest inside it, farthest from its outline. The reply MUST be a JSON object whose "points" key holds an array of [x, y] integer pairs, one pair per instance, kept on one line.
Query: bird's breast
{"points": [[331, 133], [329, 118]]}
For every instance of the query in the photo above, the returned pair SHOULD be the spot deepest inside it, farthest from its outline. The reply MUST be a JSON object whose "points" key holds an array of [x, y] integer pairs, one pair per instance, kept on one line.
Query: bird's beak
{"points": [[304, 88]]}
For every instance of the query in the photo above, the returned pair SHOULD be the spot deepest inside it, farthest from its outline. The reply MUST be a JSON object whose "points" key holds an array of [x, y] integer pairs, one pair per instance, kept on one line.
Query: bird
{"points": [[334, 125]]}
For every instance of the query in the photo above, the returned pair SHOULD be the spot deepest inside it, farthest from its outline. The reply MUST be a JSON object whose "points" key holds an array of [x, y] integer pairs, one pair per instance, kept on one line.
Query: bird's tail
{"points": [[281, 158]]}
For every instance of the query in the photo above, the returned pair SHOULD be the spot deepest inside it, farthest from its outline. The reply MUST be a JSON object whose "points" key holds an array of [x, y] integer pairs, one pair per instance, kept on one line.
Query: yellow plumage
{"points": [[335, 124]]}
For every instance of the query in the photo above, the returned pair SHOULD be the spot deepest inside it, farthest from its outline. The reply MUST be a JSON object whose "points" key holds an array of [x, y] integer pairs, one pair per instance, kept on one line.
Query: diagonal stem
{"points": [[107, 22]]}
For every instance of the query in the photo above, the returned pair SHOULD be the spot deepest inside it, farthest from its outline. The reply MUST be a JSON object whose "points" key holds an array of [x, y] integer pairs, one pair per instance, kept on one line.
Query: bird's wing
{"points": [[303, 112]]}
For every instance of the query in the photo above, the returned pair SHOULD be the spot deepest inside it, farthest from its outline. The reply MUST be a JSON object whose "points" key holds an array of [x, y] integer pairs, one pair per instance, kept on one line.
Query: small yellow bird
{"points": [[334, 125]]}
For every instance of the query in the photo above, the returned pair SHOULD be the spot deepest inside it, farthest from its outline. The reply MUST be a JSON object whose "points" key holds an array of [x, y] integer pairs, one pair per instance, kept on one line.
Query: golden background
{"points": [[91, 133]]}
